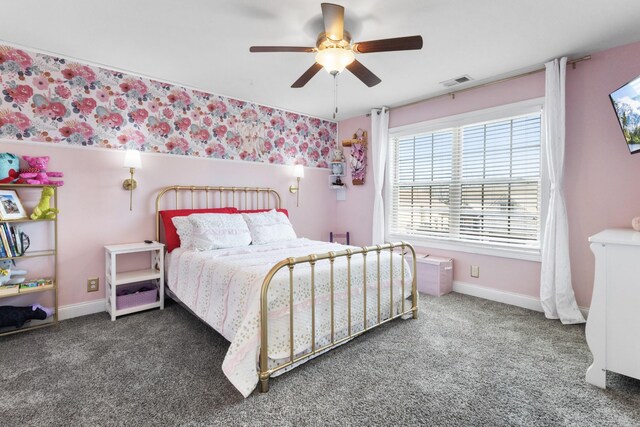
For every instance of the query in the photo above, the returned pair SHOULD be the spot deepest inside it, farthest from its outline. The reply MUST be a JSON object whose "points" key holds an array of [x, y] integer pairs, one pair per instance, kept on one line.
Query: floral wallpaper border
{"points": [[50, 99]]}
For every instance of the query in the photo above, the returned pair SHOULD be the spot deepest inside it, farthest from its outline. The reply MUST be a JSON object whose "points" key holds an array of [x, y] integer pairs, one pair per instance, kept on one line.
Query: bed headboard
{"points": [[197, 197]]}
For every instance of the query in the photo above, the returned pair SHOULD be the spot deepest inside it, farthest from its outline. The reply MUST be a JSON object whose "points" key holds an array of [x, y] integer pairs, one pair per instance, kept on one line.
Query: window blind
{"points": [[476, 183]]}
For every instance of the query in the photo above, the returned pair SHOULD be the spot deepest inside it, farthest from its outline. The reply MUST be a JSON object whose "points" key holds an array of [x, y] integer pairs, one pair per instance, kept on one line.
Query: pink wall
{"points": [[354, 213], [95, 208], [598, 168], [71, 105], [599, 171]]}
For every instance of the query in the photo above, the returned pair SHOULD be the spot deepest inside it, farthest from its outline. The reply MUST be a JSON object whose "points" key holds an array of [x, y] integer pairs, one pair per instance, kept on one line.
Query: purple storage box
{"points": [[127, 296], [435, 275]]}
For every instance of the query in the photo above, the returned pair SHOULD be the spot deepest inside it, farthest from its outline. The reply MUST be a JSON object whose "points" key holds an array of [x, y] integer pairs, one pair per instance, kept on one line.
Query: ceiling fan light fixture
{"points": [[335, 59], [335, 51]]}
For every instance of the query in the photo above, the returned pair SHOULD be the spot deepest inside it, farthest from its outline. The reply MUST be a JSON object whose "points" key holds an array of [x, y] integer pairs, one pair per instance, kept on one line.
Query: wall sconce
{"points": [[298, 172], [132, 161]]}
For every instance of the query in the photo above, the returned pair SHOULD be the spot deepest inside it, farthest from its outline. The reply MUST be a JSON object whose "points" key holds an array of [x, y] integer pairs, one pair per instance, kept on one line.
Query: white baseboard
{"points": [[504, 297], [81, 309], [97, 306]]}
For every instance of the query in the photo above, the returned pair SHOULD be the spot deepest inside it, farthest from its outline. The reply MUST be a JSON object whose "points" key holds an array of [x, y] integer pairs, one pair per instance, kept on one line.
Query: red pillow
{"points": [[284, 211], [171, 238]]}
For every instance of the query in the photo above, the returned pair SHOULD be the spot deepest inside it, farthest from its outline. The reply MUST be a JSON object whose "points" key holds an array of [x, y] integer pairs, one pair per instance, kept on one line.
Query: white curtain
{"points": [[379, 148], [556, 293]]}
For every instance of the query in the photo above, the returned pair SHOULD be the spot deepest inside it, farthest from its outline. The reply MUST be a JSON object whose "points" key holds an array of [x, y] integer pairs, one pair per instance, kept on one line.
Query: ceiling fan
{"points": [[335, 52]]}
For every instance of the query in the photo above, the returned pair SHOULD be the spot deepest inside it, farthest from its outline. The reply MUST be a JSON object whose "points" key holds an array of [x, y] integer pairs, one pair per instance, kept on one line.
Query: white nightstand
{"points": [[115, 278]]}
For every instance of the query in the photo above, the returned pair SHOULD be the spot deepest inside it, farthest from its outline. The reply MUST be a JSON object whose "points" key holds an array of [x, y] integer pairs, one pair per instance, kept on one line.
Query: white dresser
{"points": [[613, 327]]}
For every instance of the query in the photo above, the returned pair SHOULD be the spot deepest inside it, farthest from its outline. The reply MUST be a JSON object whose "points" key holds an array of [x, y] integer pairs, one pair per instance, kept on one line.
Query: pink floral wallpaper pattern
{"points": [[49, 99]]}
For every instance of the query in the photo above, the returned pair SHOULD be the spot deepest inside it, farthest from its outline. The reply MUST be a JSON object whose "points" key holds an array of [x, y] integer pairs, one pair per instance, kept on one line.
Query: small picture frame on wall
{"points": [[10, 206]]}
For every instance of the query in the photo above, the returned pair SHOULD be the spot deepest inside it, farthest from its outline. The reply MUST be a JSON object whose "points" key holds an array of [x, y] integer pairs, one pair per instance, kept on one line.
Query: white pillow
{"points": [[185, 231], [217, 231], [269, 227]]}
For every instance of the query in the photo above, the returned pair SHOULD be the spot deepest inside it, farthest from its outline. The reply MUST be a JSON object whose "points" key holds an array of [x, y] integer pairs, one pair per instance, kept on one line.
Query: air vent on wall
{"points": [[456, 81]]}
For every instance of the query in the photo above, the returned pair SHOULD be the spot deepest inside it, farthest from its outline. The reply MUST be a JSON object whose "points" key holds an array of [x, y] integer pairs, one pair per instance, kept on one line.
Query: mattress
{"points": [[222, 287]]}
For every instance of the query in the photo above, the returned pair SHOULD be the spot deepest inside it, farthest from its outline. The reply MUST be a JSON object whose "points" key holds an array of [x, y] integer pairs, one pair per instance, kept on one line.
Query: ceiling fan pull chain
{"points": [[335, 96]]}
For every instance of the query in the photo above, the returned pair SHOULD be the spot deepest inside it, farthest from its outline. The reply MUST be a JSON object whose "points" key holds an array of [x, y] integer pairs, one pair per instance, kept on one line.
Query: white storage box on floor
{"points": [[435, 274]]}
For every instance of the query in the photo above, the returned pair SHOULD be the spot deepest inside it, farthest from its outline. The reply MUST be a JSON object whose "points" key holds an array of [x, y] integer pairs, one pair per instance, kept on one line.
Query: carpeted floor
{"points": [[466, 361]]}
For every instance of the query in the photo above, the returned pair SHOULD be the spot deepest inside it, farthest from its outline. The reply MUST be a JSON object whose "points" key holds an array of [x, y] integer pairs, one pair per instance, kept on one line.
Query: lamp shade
{"points": [[335, 59], [132, 159], [298, 171]]}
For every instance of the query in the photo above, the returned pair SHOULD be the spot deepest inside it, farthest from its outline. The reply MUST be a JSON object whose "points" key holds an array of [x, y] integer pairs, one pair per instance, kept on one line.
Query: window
{"points": [[476, 182]]}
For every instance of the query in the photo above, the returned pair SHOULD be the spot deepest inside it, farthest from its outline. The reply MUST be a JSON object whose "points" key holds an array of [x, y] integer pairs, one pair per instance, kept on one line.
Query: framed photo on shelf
{"points": [[10, 206]]}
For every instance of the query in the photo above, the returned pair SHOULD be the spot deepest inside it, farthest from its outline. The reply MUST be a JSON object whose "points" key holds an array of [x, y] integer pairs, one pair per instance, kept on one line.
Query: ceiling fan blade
{"points": [[304, 79], [333, 16], [363, 73], [388, 45], [257, 49]]}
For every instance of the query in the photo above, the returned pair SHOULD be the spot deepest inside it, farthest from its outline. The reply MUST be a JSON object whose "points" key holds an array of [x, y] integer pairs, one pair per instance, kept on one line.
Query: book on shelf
{"points": [[5, 242], [7, 232], [19, 239], [13, 232], [13, 241]]}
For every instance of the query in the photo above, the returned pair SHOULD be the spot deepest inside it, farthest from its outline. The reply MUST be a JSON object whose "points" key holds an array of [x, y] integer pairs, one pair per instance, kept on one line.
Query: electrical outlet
{"points": [[475, 271], [93, 284]]}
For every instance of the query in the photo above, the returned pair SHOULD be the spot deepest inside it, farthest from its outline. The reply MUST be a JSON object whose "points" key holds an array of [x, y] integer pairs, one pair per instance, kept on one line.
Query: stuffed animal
{"points": [[43, 209], [9, 276], [337, 155], [37, 173], [17, 316], [9, 167]]}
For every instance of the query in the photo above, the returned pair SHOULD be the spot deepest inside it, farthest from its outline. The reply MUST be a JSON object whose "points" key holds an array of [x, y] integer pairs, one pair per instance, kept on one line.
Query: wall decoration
{"points": [[49, 99], [358, 159]]}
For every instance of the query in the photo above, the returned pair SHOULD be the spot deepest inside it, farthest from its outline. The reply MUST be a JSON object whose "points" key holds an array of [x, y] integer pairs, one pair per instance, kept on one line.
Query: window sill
{"points": [[523, 254]]}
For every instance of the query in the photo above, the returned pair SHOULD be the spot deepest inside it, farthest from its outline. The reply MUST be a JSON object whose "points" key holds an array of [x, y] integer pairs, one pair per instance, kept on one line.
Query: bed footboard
{"points": [[333, 341]]}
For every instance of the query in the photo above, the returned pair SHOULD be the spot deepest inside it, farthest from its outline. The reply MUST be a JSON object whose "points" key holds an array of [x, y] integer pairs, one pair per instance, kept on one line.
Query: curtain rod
{"points": [[573, 63], [378, 110]]}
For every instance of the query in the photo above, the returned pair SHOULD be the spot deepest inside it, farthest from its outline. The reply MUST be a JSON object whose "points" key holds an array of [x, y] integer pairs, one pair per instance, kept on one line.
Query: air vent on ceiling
{"points": [[456, 81]]}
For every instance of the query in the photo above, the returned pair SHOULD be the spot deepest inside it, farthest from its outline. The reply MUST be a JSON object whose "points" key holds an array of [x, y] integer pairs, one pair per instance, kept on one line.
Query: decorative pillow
{"points": [[269, 227], [217, 231], [284, 211], [171, 238], [184, 228]]}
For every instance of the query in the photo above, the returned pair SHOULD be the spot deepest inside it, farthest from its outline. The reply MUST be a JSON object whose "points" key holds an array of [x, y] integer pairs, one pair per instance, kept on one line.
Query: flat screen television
{"points": [[626, 102]]}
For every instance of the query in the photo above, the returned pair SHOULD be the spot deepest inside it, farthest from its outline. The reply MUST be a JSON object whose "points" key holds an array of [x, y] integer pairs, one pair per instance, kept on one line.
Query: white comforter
{"points": [[223, 288]]}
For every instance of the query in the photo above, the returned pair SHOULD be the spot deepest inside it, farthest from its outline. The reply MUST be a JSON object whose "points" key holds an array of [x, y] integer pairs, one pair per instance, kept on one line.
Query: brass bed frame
{"points": [[243, 198]]}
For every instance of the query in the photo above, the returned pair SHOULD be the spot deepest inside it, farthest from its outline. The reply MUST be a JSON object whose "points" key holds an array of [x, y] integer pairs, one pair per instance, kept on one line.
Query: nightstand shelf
{"points": [[136, 276], [115, 278], [138, 308]]}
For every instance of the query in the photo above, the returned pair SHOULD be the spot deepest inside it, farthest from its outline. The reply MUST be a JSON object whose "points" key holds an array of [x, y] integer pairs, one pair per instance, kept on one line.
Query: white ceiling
{"points": [[204, 44]]}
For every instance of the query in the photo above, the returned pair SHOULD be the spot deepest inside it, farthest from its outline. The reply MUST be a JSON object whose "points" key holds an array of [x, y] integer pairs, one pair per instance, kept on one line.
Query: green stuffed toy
{"points": [[44, 210]]}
